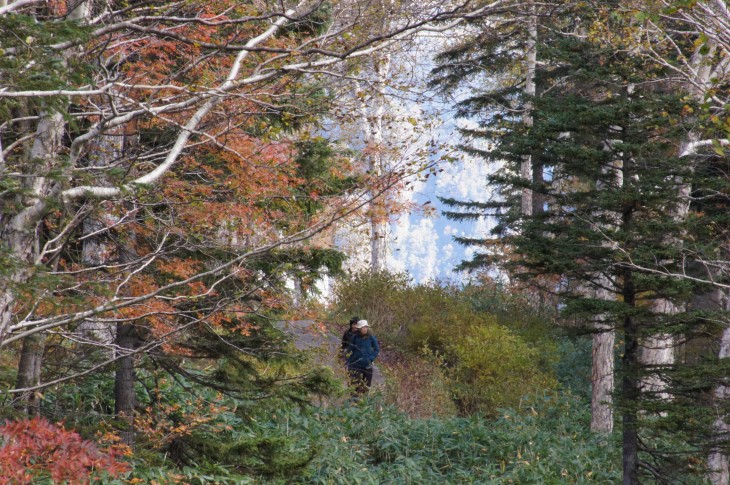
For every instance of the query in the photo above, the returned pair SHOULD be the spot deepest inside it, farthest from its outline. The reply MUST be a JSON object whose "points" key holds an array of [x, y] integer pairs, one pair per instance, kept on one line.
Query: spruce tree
{"points": [[606, 131]]}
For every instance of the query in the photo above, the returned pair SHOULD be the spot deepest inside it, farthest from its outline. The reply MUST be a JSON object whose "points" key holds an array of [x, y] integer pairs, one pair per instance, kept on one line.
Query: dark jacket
{"points": [[363, 351], [346, 338]]}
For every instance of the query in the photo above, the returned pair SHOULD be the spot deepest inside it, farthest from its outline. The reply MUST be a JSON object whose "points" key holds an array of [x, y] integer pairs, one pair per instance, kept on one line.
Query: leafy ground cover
{"points": [[545, 441]]}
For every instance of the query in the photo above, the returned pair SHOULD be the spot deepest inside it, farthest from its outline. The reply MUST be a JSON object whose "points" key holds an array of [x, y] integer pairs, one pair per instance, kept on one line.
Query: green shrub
{"points": [[493, 368], [376, 297], [403, 314], [573, 365], [529, 316], [439, 318], [548, 441]]}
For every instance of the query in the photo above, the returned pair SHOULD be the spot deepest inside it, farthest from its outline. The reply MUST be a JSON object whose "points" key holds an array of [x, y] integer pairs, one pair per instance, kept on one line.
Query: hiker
{"points": [[364, 349], [347, 336]]}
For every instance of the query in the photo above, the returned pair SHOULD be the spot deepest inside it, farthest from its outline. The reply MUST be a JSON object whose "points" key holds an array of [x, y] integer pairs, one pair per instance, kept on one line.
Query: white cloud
{"points": [[425, 247], [449, 230], [447, 251], [464, 179], [415, 247], [483, 226]]}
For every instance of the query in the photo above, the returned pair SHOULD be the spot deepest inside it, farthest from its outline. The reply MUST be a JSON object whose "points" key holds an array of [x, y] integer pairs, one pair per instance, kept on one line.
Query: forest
{"points": [[196, 196]]}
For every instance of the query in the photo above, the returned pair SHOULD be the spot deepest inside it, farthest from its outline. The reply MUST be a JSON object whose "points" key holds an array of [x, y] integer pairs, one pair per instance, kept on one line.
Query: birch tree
{"points": [[182, 80], [376, 120]]}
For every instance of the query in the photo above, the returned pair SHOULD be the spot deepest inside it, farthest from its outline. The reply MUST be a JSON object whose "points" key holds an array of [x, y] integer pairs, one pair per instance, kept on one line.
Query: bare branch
{"points": [[16, 5], [692, 147]]}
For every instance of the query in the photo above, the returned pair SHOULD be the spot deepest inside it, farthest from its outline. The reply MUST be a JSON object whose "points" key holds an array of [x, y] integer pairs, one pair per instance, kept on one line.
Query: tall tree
{"points": [[610, 139], [505, 60], [690, 41]]}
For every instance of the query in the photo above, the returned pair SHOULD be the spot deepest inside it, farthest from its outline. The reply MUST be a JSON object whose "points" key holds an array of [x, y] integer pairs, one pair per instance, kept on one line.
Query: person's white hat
{"points": [[362, 323]]}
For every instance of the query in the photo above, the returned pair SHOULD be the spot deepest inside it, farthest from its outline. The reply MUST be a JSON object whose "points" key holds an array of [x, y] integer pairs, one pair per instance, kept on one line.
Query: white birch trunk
{"points": [[657, 351], [378, 221], [21, 238], [372, 121], [19, 233], [526, 171], [378, 245], [717, 462]]}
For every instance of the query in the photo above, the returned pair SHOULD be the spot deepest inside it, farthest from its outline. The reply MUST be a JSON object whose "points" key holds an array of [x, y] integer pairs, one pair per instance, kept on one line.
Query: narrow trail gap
{"points": [[318, 338]]}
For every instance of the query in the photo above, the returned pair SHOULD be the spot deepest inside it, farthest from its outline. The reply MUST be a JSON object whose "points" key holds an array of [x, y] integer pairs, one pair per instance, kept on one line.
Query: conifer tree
{"points": [[606, 130]]}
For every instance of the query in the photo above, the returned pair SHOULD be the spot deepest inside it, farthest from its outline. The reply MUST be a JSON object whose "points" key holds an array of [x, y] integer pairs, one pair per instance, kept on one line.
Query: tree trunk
{"points": [[23, 246], [29, 374], [630, 390], [717, 462], [372, 118], [124, 395], [656, 354], [604, 336], [99, 248], [526, 167], [602, 370], [21, 237], [377, 166], [20, 243], [657, 350], [378, 244]]}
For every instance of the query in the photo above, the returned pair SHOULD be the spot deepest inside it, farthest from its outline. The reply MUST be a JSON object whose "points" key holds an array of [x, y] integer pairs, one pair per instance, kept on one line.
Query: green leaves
{"points": [[31, 62], [546, 442]]}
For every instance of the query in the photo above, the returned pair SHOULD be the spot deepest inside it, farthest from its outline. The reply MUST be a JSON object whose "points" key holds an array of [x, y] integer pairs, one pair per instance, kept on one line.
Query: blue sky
{"points": [[424, 245]]}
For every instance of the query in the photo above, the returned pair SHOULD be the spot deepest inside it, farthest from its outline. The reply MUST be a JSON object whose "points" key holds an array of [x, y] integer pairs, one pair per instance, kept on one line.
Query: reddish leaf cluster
{"points": [[34, 448]]}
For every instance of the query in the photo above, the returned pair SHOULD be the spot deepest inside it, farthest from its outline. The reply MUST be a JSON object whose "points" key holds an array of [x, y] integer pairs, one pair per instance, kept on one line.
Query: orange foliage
{"points": [[179, 268], [231, 190], [166, 422], [35, 448]]}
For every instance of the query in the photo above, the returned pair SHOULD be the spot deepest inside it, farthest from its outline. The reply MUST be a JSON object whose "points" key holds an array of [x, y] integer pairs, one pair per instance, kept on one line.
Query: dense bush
{"points": [[573, 365], [377, 297], [494, 368], [417, 385], [546, 442], [445, 316]]}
